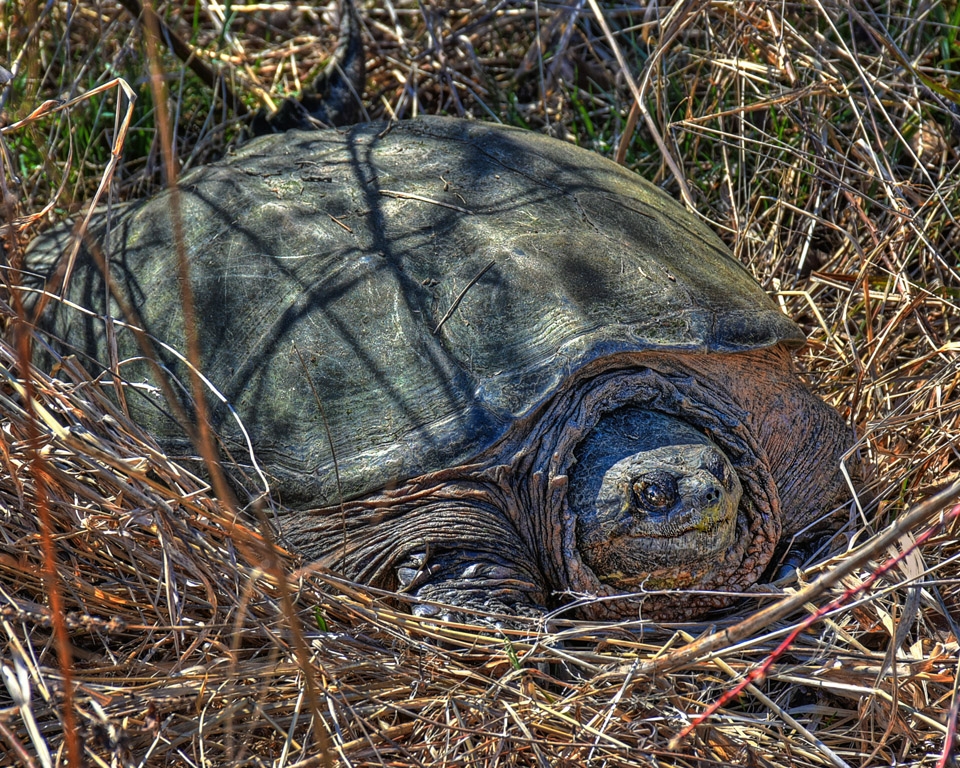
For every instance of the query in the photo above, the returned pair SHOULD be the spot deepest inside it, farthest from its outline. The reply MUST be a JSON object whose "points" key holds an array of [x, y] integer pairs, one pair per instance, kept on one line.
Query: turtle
{"points": [[475, 365]]}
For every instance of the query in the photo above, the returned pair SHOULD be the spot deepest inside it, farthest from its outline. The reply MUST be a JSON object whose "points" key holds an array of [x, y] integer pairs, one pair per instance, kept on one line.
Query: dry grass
{"points": [[143, 625]]}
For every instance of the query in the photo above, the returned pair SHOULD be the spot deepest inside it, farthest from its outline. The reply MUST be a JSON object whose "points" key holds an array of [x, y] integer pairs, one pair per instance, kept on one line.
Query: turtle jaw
{"points": [[664, 518]]}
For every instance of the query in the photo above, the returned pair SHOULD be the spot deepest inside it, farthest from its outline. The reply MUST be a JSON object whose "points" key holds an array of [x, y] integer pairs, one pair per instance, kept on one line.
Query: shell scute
{"points": [[397, 297]]}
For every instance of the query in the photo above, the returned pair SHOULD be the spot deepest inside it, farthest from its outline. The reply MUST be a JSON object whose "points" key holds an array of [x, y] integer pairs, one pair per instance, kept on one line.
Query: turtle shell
{"points": [[394, 297]]}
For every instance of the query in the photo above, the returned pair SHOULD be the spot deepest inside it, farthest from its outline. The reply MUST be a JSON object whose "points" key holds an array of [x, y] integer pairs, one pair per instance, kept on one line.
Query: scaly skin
{"points": [[548, 511]]}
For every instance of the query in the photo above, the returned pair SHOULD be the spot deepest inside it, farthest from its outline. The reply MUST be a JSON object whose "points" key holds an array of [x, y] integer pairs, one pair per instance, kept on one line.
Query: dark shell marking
{"points": [[468, 302]]}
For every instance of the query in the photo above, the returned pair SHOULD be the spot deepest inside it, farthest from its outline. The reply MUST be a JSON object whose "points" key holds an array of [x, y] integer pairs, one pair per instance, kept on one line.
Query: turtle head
{"points": [[655, 501]]}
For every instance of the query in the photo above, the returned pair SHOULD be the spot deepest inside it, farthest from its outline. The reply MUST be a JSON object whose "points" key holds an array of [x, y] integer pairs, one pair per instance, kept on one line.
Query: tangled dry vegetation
{"points": [[142, 623]]}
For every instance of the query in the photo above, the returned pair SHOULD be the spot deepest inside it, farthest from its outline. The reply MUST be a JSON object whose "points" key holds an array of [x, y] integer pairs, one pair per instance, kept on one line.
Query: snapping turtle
{"points": [[479, 365]]}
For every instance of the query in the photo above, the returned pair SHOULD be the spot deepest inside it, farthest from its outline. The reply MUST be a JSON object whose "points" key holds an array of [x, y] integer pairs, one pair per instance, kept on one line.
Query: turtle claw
{"points": [[415, 572], [428, 611]]}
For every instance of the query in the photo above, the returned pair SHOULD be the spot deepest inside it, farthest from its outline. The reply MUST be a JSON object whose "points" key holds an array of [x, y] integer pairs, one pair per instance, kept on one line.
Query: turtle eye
{"points": [[656, 491]]}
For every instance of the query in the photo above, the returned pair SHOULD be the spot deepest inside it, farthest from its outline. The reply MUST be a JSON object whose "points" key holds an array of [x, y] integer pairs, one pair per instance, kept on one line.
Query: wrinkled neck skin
{"points": [[513, 532], [664, 566]]}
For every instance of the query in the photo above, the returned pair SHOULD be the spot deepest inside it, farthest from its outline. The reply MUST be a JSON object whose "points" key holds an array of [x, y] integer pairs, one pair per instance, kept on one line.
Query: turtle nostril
{"points": [[712, 495]]}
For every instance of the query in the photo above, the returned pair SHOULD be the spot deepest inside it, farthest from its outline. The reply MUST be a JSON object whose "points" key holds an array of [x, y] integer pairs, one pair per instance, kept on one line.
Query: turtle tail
{"points": [[335, 96]]}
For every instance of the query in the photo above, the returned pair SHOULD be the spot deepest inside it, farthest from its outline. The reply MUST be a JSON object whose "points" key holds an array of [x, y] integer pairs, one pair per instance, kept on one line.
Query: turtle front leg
{"points": [[440, 539], [465, 553], [488, 586]]}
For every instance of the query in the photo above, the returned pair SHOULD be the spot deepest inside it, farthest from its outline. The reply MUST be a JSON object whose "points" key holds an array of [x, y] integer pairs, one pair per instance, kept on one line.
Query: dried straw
{"points": [[820, 139]]}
